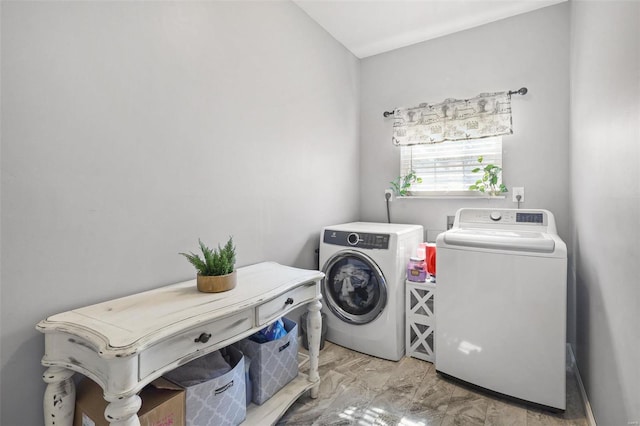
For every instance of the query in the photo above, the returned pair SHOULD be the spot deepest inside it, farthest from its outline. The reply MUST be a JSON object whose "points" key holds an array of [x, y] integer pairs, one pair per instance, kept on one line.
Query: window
{"points": [[445, 168]]}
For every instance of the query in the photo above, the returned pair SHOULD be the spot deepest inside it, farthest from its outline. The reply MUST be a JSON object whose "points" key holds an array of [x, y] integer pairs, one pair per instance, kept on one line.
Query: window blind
{"points": [[446, 167]]}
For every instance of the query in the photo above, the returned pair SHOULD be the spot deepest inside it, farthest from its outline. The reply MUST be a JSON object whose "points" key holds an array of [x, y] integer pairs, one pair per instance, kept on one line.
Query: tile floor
{"points": [[358, 389]]}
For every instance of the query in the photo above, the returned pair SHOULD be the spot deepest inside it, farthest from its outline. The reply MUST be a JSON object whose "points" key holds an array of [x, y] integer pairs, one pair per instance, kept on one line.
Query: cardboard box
{"points": [[160, 406], [220, 401], [273, 364]]}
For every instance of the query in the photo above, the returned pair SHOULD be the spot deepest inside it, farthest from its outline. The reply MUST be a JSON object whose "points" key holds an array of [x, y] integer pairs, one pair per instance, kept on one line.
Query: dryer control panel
{"points": [[361, 240]]}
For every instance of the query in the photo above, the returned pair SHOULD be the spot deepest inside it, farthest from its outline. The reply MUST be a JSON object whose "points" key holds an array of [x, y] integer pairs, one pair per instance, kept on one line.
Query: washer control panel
{"points": [[361, 240], [503, 217], [530, 218]]}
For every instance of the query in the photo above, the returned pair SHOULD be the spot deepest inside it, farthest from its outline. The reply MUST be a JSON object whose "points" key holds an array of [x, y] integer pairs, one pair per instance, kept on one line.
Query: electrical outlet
{"points": [[518, 190], [388, 194]]}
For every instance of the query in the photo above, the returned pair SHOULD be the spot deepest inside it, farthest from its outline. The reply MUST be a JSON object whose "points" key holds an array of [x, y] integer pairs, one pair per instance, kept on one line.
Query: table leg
{"points": [[59, 397], [314, 333], [123, 412]]}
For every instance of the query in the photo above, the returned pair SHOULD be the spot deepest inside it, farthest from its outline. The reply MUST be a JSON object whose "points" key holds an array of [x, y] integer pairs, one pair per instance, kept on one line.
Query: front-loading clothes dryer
{"points": [[364, 286]]}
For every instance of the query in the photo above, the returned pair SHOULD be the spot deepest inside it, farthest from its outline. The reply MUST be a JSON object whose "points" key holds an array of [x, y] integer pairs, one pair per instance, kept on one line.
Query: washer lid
{"points": [[500, 239]]}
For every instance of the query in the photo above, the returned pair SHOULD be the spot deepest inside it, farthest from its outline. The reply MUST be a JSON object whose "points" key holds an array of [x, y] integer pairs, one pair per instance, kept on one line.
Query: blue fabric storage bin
{"points": [[220, 401], [273, 364]]}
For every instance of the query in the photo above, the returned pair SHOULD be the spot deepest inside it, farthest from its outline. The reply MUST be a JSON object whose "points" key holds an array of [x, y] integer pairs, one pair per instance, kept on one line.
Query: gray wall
{"points": [[131, 129], [529, 50], [605, 164]]}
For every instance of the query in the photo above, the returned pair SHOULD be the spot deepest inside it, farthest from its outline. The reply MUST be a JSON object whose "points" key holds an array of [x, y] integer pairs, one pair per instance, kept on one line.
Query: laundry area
{"points": [[301, 212], [479, 316]]}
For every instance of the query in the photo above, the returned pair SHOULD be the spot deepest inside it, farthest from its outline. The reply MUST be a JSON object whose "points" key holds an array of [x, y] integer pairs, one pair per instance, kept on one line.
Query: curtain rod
{"points": [[521, 91]]}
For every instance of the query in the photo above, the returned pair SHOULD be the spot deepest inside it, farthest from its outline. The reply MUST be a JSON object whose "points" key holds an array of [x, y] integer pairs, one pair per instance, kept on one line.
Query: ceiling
{"points": [[369, 27]]}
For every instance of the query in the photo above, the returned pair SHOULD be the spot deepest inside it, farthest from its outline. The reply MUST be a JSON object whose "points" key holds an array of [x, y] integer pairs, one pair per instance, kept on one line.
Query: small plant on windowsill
{"points": [[216, 269], [488, 183], [402, 184]]}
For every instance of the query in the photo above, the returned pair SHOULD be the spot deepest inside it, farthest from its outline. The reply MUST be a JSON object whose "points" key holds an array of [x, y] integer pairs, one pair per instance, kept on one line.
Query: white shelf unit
{"points": [[421, 320]]}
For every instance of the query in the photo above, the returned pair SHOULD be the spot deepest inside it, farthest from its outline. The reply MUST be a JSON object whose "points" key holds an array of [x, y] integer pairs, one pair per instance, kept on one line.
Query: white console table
{"points": [[126, 343]]}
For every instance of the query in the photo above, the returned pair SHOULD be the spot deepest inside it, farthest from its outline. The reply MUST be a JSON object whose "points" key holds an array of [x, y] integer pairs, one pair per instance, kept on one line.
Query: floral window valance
{"points": [[488, 114]]}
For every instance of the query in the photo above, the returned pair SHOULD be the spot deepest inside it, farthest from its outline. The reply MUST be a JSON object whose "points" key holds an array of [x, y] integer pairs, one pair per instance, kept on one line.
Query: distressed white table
{"points": [[126, 343]]}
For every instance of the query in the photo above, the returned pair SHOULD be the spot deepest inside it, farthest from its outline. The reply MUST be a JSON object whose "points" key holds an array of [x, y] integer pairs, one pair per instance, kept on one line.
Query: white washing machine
{"points": [[501, 303], [363, 290]]}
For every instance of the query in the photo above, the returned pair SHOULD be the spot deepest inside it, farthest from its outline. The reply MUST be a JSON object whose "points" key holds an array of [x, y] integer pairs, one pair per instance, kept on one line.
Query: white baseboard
{"points": [[583, 394]]}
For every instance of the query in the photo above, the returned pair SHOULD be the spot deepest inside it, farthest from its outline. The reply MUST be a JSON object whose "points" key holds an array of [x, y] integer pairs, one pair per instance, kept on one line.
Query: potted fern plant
{"points": [[216, 267]]}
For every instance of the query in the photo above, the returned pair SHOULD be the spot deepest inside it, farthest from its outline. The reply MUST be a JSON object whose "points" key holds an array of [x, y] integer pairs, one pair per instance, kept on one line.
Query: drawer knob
{"points": [[203, 338], [289, 301]]}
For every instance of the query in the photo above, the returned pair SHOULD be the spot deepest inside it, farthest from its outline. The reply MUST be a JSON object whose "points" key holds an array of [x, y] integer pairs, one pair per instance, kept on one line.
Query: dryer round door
{"points": [[354, 288]]}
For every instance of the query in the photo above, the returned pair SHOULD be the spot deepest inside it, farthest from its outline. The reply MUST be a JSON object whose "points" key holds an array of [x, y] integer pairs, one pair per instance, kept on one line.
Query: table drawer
{"points": [[193, 340], [276, 307]]}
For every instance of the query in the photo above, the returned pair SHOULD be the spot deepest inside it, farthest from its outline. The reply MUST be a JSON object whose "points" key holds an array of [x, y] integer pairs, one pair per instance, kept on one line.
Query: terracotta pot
{"points": [[216, 283]]}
